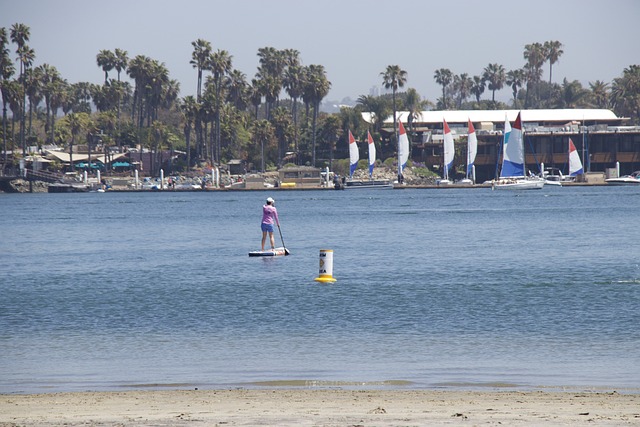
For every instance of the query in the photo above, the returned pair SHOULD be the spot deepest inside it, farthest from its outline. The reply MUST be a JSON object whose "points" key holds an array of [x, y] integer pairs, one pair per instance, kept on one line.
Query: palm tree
{"points": [[255, 95], [443, 77], [189, 109], [515, 79], [20, 34], [625, 92], [495, 75], [293, 82], [263, 133], [78, 123], [462, 84], [553, 51], [379, 108], [600, 93], [534, 54], [107, 61], [236, 88], [121, 61], [316, 89], [393, 78], [6, 71], [33, 78], [220, 64], [199, 58], [478, 86], [414, 106]]}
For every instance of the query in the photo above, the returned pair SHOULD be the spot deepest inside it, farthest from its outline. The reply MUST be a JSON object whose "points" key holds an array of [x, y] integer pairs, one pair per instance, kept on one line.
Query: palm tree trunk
{"points": [[315, 119]]}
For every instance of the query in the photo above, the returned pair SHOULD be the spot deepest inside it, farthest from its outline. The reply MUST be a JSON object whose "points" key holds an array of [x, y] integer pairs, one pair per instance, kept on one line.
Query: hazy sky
{"points": [[355, 40]]}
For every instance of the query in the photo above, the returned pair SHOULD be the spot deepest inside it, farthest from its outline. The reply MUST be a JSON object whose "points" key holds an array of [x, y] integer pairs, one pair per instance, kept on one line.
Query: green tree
{"points": [[76, 123], [625, 93], [316, 89], [443, 77], [478, 86], [515, 79], [534, 54], [6, 71], [552, 52], [393, 77], [189, 109], [263, 136], [20, 34], [599, 93], [107, 61], [220, 65], [495, 75]]}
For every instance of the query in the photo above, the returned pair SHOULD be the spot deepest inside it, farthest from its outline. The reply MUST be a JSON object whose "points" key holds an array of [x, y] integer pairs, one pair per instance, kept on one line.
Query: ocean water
{"points": [[436, 289]]}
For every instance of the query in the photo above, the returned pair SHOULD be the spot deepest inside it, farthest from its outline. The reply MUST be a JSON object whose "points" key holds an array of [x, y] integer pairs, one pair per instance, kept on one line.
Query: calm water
{"points": [[464, 288]]}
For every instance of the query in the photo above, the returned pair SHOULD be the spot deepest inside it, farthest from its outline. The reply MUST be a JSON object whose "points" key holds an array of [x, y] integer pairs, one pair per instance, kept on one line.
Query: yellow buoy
{"points": [[326, 266]]}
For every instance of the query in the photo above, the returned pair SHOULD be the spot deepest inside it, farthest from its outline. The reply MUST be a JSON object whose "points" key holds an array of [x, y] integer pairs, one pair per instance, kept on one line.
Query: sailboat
{"points": [[372, 154], [575, 169], [512, 175], [472, 150], [354, 157], [403, 151], [449, 152], [575, 164]]}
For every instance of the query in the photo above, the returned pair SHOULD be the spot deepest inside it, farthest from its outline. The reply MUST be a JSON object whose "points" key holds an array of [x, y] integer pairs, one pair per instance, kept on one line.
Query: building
{"points": [[602, 139]]}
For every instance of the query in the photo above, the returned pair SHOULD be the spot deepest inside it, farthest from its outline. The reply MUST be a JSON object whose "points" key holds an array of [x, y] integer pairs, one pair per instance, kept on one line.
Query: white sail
{"points": [[575, 165], [449, 150], [372, 153], [354, 155], [403, 148], [472, 148], [513, 161]]}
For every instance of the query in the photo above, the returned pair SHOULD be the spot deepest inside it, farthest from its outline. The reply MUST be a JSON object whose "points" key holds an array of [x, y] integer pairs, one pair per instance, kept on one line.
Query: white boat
{"points": [[512, 174], [633, 179], [374, 183]]}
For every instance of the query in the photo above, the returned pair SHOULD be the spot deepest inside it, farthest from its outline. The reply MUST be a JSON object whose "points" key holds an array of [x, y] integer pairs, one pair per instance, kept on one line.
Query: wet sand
{"points": [[304, 407]]}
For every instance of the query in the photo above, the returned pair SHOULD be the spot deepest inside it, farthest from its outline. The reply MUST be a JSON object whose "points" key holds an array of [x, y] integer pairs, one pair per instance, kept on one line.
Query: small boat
{"points": [[374, 183], [271, 252], [632, 179], [354, 157], [512, 175]]}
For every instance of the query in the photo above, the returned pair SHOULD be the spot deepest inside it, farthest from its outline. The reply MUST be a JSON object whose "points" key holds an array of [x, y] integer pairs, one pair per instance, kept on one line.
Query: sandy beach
{"points": [[320, 408]]}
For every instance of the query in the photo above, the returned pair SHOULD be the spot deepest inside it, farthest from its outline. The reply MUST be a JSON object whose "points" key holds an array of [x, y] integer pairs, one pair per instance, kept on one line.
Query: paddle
{"points": [[286, 251]]}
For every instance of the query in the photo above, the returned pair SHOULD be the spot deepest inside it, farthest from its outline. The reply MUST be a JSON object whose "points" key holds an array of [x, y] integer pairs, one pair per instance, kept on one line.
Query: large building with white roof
{"points": [[603, 139]]}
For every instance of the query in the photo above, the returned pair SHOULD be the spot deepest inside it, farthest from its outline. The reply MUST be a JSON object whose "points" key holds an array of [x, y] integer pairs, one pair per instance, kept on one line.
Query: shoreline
{"points": [[326, 407]]}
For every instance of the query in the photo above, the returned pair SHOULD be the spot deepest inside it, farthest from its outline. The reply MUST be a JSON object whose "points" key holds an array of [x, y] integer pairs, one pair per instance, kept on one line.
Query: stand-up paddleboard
{"points": [[270, 252]]}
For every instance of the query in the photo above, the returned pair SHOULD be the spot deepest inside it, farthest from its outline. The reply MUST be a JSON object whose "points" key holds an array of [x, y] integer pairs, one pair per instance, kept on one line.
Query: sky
{"points": [[355, 40]]}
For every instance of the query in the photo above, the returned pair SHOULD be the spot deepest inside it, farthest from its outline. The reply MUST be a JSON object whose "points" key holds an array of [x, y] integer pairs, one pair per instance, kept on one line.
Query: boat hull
{"points": [[518, 184], [380, 185]]}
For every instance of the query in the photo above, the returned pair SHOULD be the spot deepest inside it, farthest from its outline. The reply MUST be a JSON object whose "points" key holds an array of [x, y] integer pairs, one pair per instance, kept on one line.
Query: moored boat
{"points": [[632, 179]]}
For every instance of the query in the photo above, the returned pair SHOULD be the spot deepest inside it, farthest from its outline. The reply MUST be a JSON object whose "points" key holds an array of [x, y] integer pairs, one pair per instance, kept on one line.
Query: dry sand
{"points": [[305, 407]]}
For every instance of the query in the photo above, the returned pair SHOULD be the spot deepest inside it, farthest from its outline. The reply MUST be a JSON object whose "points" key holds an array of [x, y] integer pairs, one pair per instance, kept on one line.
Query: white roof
{"points": [[476, 116], [77, 157]]}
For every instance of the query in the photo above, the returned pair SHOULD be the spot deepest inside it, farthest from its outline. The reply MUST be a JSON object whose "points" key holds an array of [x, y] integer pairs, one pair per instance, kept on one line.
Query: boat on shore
{"points": [[374, 183], [632, 179]]}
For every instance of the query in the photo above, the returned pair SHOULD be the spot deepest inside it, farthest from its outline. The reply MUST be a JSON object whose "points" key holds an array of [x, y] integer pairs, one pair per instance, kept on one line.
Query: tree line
{"points": [[269, 120]]}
